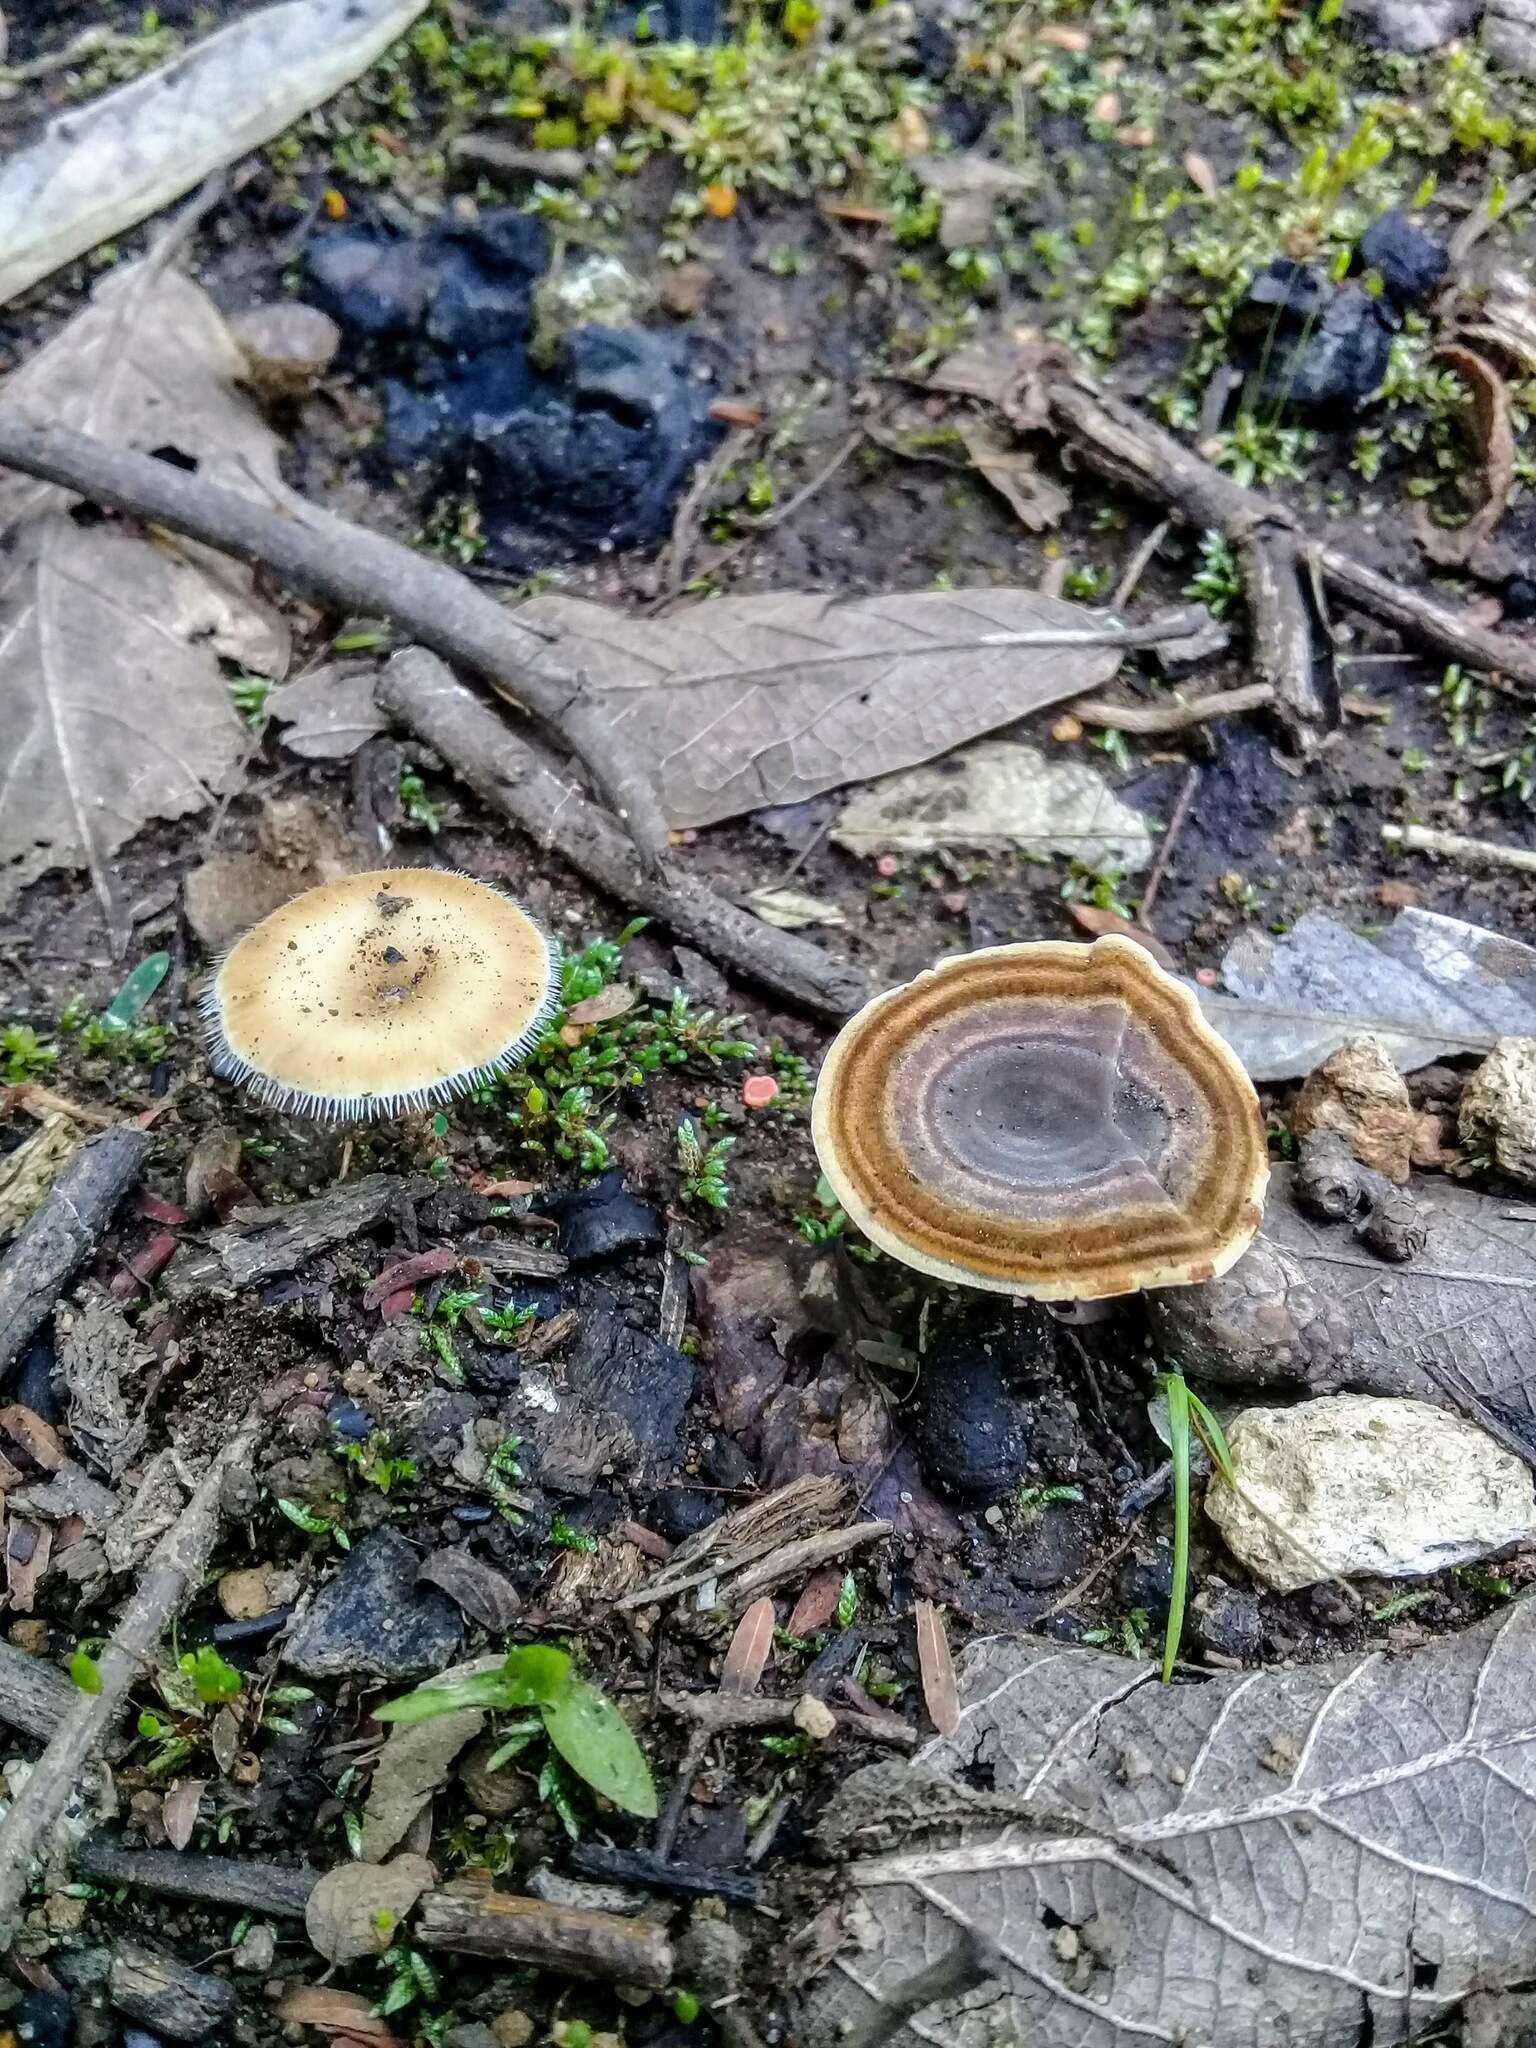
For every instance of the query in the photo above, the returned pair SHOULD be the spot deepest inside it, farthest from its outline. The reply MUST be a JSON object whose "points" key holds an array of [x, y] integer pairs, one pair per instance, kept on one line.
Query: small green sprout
{"points": [[702, 1167]]}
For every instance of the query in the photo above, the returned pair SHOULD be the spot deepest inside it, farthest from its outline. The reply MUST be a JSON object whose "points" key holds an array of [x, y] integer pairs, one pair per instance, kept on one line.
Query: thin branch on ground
{"points": [[1457, 846], [508, 775], [1137, 566], [175, 1571], [1170, 840], [1155, 720], [338, 563], [64, 1230]]}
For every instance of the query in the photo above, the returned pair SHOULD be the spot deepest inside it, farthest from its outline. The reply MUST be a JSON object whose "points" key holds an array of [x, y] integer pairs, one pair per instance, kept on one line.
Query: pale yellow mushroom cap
{"points": [[381, 993], [1053, 1120]]}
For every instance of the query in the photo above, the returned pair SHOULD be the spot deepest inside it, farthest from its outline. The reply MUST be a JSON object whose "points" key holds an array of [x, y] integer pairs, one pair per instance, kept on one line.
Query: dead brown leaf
{"points": [[111, 695], [1010, 470], [1105, 923], [179, 1813], [747, 1657], [356, 1910], [343, 2014], [485, 1594], [329, 713], [415, 1761], [743, 702], [1199, 173], [1494, 432], [937, 1668], [818, 1603]]}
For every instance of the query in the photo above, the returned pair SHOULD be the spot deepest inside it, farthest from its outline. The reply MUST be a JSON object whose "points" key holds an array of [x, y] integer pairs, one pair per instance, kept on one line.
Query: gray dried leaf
{"points": [[1427, 986], [1012, 472], [413, 1763], [1285, 1848], [485, 1594], [1454, 1325], [179, 1812], [998, 794], [329, 713], [356, 1910], [97, 1350], [111, 694], [100, 168], [749, 701]]}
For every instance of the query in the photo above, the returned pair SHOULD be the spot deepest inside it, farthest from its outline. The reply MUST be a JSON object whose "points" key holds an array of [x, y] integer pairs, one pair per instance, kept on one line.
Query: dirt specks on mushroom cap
{"points": [[380, 993], [1053, 1120]]}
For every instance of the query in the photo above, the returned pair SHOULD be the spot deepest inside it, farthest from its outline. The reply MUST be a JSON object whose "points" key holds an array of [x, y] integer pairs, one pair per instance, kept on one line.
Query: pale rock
{"points": [[1358, 1092], [1366, 1484], [815, 1718], [1498, 1108], [1414, 25]]}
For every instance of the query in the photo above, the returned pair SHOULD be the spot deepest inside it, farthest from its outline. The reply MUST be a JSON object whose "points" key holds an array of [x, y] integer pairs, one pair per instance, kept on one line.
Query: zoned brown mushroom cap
{"points": [[1052, 1120], [381, 993]]}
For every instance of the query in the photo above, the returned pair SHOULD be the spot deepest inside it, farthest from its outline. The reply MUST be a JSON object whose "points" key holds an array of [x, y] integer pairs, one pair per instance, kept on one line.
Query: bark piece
{"points": [[472, 1919], [170, 2000], [63, 1233]]}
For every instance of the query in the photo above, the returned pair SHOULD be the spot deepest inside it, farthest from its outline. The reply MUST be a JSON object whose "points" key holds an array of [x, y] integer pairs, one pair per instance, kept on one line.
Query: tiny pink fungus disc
{"points": [[1052, 1120], [758, 1090], [379, 994]]}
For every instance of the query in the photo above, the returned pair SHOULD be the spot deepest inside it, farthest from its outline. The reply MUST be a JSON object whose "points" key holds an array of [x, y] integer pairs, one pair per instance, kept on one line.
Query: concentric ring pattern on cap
{"points": [[381, 993], [1053, 1120]]}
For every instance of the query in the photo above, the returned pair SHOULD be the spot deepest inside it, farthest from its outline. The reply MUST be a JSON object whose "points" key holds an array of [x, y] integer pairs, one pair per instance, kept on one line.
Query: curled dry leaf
{"points": [[354, 1911], [1012, 472], [937, 1668], [1199, 173], [1494, 433], [485, 1594], [616, 1000], [112, 699], [100, 168], [328, 714], [344, 2015], [179, 1813], [818, 1603], [747, 1657], [791, 910], [1089, 918], [413, 1764]]}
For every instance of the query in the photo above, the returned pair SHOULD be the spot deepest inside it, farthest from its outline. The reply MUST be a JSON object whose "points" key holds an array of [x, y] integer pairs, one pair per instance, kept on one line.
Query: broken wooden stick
{"points": [[206, 1880], [473, 1920], [320, 556], [1143, 457], [34, 1694], [506, 773], [803, 1555], [63, 1232], [719, 1714], [1457, 846], [1174, 716], [175, 1571]]}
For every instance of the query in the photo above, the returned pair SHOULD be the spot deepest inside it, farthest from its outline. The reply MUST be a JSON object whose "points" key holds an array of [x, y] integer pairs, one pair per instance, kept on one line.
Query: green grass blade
{"points": [[1178, 1397]]}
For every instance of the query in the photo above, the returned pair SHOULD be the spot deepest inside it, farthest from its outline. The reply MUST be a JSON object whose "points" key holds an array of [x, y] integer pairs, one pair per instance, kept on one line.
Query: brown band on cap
{"points": [[1051, 1119]]}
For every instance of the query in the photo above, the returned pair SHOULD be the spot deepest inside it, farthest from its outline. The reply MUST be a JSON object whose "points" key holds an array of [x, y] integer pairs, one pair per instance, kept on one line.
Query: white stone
{"points": [[1498, 1108], [1366, 1484]]}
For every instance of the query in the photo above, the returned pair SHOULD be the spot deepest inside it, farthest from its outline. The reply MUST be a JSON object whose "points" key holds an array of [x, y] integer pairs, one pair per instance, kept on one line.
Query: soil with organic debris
{"points": [[605, 1301]]}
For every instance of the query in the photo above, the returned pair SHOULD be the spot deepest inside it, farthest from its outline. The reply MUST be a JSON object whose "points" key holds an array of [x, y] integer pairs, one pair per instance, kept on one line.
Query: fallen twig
{"points": [[803, 1555], [64, 1231], [209, 1880], [471, 1919], [509, 776], [1140, 455], [718, 1713], [689, 1880], [1170, 839], [34, 1694], [1154, 719], [338, 563], [1457, 846], [175, 1571]]}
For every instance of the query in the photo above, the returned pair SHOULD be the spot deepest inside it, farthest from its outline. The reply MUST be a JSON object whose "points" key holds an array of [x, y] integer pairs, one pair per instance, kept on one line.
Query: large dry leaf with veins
{"points": [[750, 701], [97, 169], [1456, 1325], [112, 702], [1315, 1857]]}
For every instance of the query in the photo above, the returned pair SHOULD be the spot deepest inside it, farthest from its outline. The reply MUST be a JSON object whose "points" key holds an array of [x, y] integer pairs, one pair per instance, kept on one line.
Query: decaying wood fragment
{"points": [[61, 1235], [472, 1919]]}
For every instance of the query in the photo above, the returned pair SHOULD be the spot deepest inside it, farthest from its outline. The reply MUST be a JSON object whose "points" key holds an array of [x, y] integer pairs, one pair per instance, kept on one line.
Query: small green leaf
{"points": [[485, 1689], [1179, 1399], [85, 1671], [685, 2007], [514, 1741], [598, 1744], [847, 1601], [536, 1676], [212, 1679]]}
